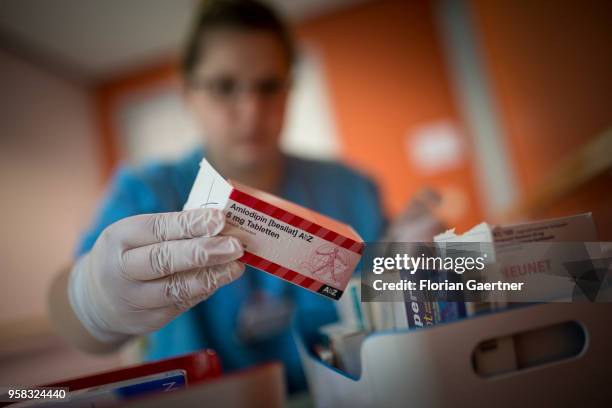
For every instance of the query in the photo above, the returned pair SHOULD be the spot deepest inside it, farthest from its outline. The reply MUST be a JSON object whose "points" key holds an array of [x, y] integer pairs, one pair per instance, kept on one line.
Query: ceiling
{"points": [[93, 39]]}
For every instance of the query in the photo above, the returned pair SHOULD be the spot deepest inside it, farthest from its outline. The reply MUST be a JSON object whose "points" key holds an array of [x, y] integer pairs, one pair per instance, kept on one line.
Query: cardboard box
{"points": [[530, 252], [284, 239]]}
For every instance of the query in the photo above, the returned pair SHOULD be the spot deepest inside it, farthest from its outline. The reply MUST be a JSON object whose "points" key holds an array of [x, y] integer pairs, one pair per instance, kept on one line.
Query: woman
{"points": [[146, 268]]}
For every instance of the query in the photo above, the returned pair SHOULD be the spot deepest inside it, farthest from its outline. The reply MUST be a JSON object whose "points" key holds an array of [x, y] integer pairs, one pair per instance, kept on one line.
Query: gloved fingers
{"points": [[204, 283], [166, 258], [185, 289], [147, 229]]}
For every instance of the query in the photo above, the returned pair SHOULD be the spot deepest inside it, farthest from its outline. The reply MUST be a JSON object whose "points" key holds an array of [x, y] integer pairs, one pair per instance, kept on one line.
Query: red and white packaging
{"points": [[284, 239]]}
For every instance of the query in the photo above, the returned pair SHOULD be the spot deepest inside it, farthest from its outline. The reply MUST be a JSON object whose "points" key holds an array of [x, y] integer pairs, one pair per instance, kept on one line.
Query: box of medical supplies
{"points": [[434, 366], [534, 253], [282, 238]]}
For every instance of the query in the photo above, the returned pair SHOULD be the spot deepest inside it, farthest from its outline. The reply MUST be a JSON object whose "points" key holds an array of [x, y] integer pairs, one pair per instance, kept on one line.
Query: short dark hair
{"points": [[238, 14]]}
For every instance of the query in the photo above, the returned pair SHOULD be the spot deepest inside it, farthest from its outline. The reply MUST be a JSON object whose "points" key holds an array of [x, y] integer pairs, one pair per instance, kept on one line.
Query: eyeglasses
{"points": [[228, 89]]}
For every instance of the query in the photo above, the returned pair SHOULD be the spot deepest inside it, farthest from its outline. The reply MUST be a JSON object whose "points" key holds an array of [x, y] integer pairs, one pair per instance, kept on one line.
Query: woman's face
{"points": [[238, 92]]}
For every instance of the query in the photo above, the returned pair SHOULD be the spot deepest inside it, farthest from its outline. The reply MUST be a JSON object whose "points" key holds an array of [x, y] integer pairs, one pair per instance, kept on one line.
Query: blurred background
{"points": [[504, 107]]}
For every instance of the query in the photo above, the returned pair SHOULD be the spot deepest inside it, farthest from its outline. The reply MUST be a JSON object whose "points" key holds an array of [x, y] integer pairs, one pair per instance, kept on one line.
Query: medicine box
{"points": [[282, 238]]}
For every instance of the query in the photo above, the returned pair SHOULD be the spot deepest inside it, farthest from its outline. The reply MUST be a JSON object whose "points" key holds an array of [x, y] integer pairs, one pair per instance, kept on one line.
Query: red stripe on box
{"points": [[248, 200], [322, 232], [339, 240], [268, 209], [356, 247], [265, 264], [281, 272], [291, 275], [299, 279], [353, 246], [315, 286], [246, 258], [295, 220], [277, 213], [303, 224], [287, 217], [272, 268], [260, 205], [313, 229], [331, 236]]}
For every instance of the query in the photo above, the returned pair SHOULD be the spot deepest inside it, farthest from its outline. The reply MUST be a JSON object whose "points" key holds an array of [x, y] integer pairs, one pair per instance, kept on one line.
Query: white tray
{"points": [[433, 368]]}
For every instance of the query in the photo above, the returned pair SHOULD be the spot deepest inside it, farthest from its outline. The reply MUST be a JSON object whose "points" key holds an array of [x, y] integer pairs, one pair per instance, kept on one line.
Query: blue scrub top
{"points": [[329, 188]]}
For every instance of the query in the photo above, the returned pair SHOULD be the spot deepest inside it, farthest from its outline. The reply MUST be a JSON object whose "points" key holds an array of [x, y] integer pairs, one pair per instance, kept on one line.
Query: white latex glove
{"points": [[145, 270]]}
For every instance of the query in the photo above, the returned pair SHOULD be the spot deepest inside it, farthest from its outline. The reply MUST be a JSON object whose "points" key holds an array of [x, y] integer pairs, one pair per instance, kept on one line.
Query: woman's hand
{"points": [[145, 270]]}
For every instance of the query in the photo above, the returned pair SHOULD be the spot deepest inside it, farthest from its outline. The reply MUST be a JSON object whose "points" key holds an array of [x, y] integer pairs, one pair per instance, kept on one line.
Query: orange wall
{"points": [[386, 74], [550, 66], [108, 97]]}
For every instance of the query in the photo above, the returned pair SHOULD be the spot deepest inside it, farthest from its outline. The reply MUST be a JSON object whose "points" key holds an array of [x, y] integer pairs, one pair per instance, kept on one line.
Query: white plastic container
{"points": [[433, 367]]}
